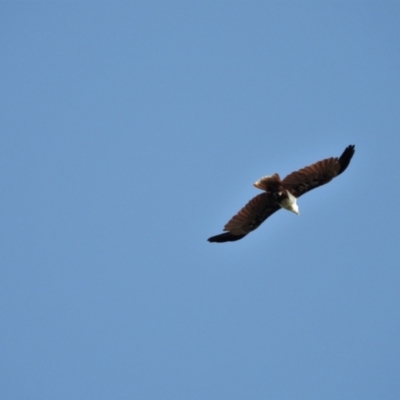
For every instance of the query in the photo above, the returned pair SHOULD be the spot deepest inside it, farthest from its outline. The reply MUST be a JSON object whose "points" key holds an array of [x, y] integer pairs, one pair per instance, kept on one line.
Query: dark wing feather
{"points": [[250, 217], [320, 173], [346, 157], [225, 237]]}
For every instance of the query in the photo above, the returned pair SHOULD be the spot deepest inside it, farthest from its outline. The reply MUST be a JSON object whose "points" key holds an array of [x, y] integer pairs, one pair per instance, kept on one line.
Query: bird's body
{"points": [[282, 194]]}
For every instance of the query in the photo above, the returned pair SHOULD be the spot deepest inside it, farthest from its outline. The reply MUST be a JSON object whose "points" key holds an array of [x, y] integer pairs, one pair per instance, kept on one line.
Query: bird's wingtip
{"points": [[225, 237]]}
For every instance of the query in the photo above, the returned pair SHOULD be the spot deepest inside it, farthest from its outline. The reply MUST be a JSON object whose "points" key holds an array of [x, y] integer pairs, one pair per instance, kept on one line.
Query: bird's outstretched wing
{"points": [[257, 210], [250, 217], [308, 178]]}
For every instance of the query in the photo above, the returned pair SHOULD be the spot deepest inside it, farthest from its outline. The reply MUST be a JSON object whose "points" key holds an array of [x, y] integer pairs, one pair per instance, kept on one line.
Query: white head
{"points": [[294, 208], [290, 204]]}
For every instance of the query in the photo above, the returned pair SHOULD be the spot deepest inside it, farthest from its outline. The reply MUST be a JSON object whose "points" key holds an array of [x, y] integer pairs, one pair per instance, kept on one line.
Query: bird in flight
{"points": [[282, 194]]}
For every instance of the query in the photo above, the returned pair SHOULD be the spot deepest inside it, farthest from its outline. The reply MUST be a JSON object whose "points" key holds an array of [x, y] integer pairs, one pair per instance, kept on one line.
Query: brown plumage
{"points": [[282, 194]]}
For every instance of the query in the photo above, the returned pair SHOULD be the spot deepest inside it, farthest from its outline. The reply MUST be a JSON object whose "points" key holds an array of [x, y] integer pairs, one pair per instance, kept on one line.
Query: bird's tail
{"points": [[269, 183]]}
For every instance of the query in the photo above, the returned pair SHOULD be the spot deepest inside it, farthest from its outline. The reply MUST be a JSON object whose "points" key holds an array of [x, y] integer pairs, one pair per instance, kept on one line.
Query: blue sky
{"points": [[133, 131]]}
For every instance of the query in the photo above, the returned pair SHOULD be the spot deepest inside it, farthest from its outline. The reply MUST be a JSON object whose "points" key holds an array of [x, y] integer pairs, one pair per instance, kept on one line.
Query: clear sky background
{"points": [[130, 133]]}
